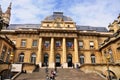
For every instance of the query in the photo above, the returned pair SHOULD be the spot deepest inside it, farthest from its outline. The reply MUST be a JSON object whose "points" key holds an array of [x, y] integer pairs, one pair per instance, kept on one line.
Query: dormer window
{"points": [[47, 25], [68, 26]]}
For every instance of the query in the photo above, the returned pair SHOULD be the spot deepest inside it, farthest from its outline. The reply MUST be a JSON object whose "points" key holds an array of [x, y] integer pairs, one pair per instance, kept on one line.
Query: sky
{"points": [[97, 13]]}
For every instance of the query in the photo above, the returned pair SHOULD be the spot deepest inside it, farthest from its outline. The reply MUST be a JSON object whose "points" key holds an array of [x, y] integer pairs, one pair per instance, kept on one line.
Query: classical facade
{"points": [[57, 41]]}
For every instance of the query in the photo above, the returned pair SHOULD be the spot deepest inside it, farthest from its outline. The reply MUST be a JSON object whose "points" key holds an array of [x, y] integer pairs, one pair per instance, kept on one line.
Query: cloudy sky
{"points": [[83, 12]]}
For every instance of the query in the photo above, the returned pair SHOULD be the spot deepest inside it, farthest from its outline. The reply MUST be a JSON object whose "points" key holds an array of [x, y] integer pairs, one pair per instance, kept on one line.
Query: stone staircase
{"points": [[62, 74]]}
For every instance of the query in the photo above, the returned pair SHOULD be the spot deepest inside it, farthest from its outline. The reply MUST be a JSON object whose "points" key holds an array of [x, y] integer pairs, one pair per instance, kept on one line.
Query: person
{"points": [[56, 69], [46, 69], [47, 77], [73, 65], [54, 73]]}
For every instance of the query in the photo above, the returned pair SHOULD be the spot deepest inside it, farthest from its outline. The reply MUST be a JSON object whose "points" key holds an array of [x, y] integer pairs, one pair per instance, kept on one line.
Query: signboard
{"points": [[16, 68]]}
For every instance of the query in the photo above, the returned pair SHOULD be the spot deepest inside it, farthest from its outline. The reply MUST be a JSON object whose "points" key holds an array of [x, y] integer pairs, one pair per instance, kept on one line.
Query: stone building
{"points": [[111, 45], [57, 41], [6, 45]]}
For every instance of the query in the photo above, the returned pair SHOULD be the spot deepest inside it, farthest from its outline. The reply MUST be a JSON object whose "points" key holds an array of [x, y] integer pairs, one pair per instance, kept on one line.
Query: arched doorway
{"points": [[5, 74], [110, 75], [57, 63], [69, 60], [45, 63]]}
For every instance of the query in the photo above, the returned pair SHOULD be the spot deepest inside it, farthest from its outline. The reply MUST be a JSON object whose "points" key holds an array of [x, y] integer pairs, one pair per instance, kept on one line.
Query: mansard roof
{"points": [[91, 28], [56, 15], [37, 26]]}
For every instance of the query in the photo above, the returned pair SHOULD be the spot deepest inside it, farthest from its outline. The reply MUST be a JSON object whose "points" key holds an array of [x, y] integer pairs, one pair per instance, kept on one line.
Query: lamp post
{"points": [[107, 61], [10, 65]]}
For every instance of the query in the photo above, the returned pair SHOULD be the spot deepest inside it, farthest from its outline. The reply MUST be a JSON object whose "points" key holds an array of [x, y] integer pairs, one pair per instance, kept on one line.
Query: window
{"points": [[58, 44], [81, 59], [68, 26], [80, 44], [21, 57], [91, 44], [3, 52], [34, 43], [92, 58], [33, 58], [69, 44], [8, 55], [111, 55], [23, 43], [47, 44], [47, 25]]}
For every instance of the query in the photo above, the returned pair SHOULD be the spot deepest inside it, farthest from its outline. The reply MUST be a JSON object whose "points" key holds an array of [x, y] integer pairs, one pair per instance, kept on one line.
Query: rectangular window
{"points": [[58, 44], [34, 43], [69, 44], [47, 44], [80, 44], [91, 44], [23, 43]]}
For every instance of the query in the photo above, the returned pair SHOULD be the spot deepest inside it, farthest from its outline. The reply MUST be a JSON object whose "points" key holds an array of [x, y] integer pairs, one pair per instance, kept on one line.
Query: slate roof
{"points": [[58, 14], [90, 28], [18, 26], [37, 26]]}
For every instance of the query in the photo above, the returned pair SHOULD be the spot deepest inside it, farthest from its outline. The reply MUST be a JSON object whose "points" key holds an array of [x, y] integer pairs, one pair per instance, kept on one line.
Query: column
{"points": [[51, 59], [76, 52], [64, 63], [39, 55]]}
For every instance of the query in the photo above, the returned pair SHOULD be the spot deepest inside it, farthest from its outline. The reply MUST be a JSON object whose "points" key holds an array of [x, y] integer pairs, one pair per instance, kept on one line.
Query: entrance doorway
{"points": [[57, 63], [45, 63], [69, 60]]}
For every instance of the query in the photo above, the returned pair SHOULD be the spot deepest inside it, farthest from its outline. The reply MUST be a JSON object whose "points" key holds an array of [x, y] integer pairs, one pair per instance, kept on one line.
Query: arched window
{"points": [[3, 52], [92, 58], [21, 57], [81, 59], [33, 58]]}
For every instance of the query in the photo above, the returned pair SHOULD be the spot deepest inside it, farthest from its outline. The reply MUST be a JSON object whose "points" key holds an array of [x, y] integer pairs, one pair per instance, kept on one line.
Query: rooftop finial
{"points": [[9, 9]]}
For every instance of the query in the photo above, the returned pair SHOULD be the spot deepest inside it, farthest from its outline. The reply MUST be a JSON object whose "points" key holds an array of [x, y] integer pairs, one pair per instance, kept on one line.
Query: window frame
{"points": [[34, 44], [23, 41]]}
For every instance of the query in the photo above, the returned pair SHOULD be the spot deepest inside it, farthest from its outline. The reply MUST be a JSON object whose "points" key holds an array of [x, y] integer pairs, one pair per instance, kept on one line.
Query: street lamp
{"points": [[107, 61]]}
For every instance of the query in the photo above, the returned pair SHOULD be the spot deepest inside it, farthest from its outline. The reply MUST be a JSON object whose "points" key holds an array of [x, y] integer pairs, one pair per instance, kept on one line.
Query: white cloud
{"points": [[99, 13], [83, 12]]}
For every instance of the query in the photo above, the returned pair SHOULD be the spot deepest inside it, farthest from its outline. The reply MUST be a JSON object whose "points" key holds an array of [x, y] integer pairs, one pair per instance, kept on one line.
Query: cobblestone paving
{"points": [[62, 74]]}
